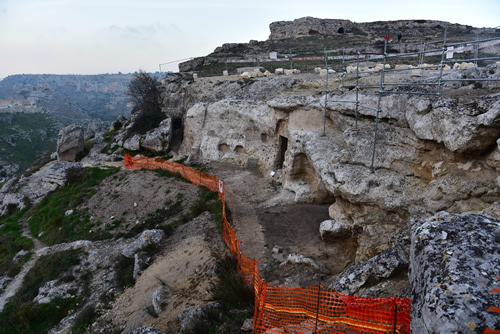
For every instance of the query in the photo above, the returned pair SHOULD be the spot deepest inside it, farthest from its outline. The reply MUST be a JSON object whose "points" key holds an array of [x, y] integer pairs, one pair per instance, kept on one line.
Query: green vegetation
{"points": [[11, 242], [233, 294], [144, 90], [231, 290], [84, 319], [124, 269], [22, 315], [26, 137], [48, 216]]}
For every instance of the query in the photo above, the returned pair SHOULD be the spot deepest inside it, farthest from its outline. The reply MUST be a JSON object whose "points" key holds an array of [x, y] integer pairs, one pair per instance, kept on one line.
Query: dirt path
{"points": [[293, 228], [246, 189]]}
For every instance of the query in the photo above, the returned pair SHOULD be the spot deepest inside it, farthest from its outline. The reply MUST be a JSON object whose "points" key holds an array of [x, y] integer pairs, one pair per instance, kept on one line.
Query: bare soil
{"points": [[293, 228], [186, 259]]}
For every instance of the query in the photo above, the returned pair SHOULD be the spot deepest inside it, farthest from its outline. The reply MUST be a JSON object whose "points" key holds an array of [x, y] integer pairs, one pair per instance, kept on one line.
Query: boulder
{"points": [[158, 139], [378, 67], [301, 259], [381, 266], [146, 330], [147, 238], [11, 202], [351, 69], [267, 73], [245, 75], [247, 325], [141, 262], [160, 298], [464, 65], [279, 71], [70, 143], [322, 72], [50, 290], [331, 230], [95, 127], [403, 67], [454, 261], [196, 315], [256, 74], [133, 143], [31, 189]]}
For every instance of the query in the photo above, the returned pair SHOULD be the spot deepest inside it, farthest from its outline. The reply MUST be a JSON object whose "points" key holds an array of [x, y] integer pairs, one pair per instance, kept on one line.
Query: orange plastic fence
{"points": [[280, 309], [495, 309]]}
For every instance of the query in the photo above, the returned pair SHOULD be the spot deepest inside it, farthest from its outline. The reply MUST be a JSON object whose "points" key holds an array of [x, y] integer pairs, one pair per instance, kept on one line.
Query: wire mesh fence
{"points": [[280, 309]]}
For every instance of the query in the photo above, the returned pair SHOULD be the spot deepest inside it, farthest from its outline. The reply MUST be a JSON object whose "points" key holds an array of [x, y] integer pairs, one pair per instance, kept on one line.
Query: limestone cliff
{"points": [[432, 153]]}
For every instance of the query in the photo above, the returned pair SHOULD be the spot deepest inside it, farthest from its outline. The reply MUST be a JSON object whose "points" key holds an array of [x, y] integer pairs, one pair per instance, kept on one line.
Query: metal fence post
{"points": [[326, 99], [357, 89]]}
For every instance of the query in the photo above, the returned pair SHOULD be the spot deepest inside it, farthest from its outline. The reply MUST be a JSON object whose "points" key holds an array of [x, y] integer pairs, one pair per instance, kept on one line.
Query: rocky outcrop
{"points": [[70, 143], [309, 26], [146, 330], [160, 298], [147, 238], [196, 316], [379, 267], [18, 192], [454, 263], [432, 153]]}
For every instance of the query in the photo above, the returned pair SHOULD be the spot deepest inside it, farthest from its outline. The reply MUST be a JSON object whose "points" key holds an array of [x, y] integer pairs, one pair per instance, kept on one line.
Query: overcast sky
{"points": [[110, 36]]}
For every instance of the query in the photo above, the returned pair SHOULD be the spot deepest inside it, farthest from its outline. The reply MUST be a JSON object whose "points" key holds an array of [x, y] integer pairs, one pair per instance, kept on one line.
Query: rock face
{"points": [[70, 143], [308, 26], [454, 262], [19, 192], [147, 238], [432, 153], [196, 316], [381, 266]]}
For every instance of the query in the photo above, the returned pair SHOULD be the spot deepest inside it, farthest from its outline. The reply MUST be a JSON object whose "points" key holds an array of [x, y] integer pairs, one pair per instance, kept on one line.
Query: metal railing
{"points": [[385, 88]]}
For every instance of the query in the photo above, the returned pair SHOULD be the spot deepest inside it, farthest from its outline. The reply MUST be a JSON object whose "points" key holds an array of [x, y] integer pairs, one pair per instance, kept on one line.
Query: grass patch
{"points": [[48, 216], [231, 291], [22, 315], [124, 269], [46, 269], [232, 294], [32, 318], [84, 319], [11, 242], [166, 173]]}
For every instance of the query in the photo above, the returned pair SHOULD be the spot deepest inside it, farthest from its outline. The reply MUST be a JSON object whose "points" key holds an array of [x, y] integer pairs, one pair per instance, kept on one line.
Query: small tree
{"points": [[144, 91]]}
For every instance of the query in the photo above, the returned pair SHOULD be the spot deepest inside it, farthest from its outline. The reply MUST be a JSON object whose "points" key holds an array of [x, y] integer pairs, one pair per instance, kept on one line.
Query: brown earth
{"points": [[186, 259]]}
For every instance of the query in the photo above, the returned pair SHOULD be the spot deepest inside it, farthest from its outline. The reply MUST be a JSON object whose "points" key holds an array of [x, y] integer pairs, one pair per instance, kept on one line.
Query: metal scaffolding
{"points": [[386, 88]]}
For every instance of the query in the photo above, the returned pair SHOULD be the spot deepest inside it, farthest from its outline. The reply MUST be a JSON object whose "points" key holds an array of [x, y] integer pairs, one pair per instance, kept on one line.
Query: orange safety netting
{"points": [[280, 309]]}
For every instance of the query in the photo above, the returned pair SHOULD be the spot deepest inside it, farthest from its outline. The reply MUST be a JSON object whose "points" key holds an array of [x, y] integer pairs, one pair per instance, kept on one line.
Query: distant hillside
{"points": [[308, 37], [24, 138], [34, 107], [71, 97]]}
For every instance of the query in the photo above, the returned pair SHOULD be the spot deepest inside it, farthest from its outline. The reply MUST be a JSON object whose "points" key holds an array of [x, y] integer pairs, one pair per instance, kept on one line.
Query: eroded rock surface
{"points": [[453, 265], [70, 143]]}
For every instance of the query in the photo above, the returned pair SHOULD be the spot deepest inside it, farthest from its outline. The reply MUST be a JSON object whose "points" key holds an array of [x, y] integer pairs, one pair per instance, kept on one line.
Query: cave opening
{"points": [[341, 30], [177, 134], [283, 146]]}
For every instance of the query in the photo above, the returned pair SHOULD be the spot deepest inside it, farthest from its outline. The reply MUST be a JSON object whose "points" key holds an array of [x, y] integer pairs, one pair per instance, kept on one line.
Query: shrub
{"points": [[49, 214]]}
